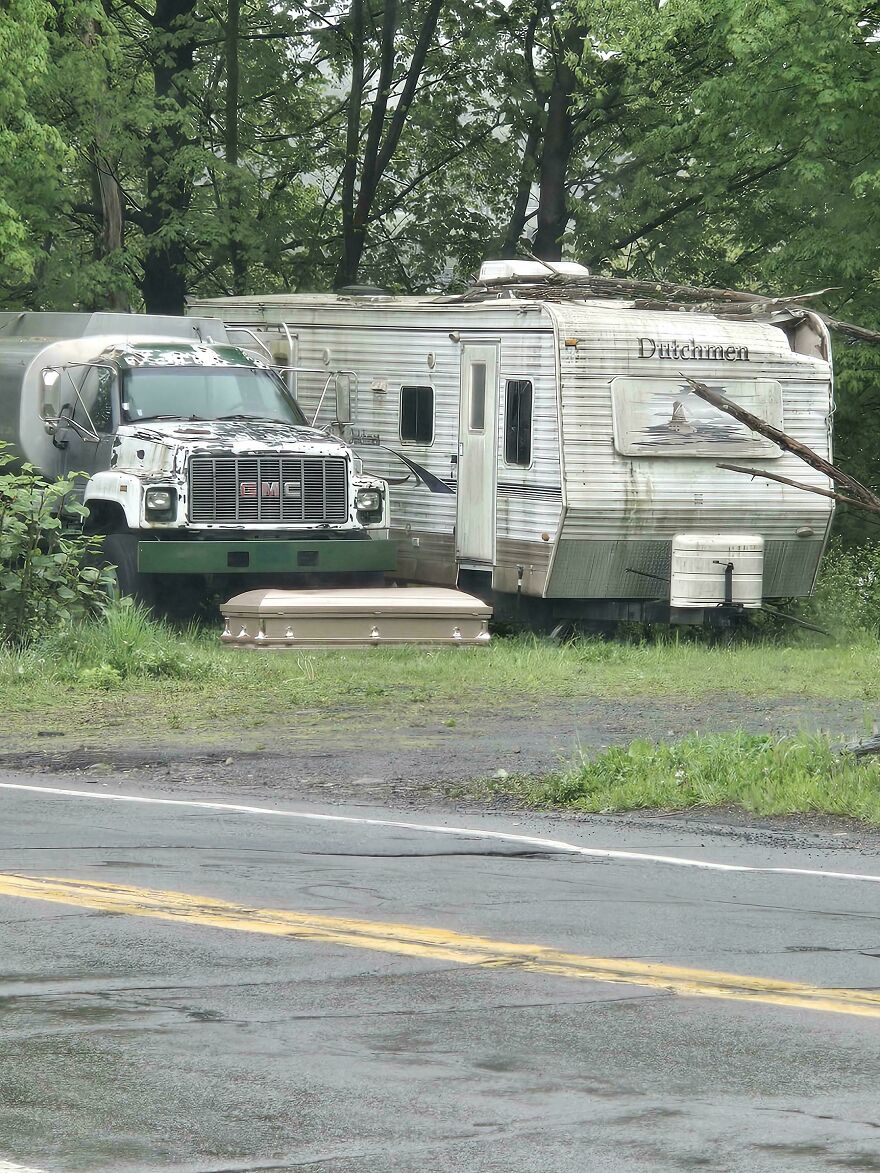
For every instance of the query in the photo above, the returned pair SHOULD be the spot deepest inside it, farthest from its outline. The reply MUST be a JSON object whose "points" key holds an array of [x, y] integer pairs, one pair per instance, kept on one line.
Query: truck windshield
{"points": [[207, 393]]}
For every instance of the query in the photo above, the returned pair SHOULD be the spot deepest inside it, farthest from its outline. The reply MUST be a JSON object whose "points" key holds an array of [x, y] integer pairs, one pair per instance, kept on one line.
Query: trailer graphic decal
{"points": [[662, 417], [417, 472]]}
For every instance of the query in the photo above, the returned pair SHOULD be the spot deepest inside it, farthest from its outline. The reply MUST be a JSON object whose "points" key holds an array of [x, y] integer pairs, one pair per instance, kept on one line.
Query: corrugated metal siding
{"points": [[620, 512], [393, 359], [639, 569], [390, 343], [611, 570], [611, 497]]}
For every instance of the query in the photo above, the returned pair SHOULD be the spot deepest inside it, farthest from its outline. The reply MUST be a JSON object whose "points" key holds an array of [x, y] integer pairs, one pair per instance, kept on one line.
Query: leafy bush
{"points": [[847, 599], [45, 574]]}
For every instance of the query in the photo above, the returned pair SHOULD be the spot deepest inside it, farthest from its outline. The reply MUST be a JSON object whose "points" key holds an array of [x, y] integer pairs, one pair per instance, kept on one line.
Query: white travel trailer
{"points": [[549, 450]]}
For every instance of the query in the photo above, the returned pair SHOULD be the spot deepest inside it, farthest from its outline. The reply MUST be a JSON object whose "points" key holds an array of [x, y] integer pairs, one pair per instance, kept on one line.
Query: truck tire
{"points": [[120, 550]]}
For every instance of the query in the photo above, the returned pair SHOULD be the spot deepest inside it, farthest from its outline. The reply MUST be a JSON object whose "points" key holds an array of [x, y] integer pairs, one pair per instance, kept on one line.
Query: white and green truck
{"points": [[199, 466]]}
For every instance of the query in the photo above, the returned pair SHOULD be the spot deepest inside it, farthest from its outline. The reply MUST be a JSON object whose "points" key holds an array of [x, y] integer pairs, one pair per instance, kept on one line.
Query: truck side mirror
{"points": [[343, 397], [61, 427], [49, 378]]}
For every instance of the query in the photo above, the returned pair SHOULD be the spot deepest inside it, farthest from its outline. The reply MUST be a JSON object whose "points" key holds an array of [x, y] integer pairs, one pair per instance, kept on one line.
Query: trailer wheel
{"points": [[120, 551]]}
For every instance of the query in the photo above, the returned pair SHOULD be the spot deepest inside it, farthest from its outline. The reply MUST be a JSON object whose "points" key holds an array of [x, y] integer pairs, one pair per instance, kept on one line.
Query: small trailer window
{"points": [[417, 415], [518, 422], [477, 412]]}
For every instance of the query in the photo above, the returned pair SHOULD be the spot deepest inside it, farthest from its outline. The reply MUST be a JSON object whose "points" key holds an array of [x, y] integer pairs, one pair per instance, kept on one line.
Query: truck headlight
{"points": [[160, 502], [368, 500]]}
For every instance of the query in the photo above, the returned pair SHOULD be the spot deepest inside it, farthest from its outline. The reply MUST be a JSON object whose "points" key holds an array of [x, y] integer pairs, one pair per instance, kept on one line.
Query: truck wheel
{"points": [[120, 550]]}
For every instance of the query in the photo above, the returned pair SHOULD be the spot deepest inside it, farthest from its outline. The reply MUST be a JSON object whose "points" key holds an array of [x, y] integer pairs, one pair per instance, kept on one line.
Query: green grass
{"points": [[129, 681], [760, 774], [128, 661], [126, 680]]}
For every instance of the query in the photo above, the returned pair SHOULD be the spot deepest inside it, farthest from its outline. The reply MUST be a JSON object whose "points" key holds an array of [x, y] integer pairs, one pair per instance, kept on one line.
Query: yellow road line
{"points": [[434, 944]]}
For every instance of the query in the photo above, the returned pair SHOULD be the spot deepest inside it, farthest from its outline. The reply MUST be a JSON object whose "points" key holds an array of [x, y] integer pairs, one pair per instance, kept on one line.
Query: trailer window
{"points": [[417, 415], [518, 422], [477, 408]]}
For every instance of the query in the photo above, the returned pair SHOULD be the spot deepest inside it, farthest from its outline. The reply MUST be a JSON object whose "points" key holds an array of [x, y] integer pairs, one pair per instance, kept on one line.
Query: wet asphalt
{"points": [[132, 1044]]}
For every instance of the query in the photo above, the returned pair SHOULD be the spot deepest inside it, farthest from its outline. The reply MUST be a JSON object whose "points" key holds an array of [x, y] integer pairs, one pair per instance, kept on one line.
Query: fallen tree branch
{"points": [[785, 442], [861, 749], [859, 333], [659, 295], [774, 476]]}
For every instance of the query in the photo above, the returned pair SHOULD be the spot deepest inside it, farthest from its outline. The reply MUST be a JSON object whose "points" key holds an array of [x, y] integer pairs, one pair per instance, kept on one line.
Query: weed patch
{"points": [[129, 644], [760, 774]]}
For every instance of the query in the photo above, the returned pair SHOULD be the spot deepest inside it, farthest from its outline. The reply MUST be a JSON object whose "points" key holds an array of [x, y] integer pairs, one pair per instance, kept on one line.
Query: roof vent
{"points": [[362, 291]]}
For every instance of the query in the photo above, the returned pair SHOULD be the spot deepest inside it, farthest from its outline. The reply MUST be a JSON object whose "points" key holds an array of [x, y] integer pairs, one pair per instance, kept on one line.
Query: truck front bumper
{"points": [[294, 557]]}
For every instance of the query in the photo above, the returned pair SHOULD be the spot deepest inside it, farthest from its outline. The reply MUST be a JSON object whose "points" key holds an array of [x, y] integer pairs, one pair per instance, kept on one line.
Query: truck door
{"points": [[93, 411], [477, 432]]}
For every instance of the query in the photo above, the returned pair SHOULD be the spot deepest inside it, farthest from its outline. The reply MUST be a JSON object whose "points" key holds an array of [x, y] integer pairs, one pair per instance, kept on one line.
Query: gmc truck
{"points": [[199, 466]]}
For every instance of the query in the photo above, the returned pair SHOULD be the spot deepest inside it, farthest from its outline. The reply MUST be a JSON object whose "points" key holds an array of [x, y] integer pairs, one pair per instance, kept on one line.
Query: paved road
{"points": [[191, 988]]}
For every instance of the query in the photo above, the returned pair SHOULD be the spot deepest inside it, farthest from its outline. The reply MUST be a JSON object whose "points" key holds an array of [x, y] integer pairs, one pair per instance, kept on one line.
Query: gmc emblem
{"points": [[267, 489]]}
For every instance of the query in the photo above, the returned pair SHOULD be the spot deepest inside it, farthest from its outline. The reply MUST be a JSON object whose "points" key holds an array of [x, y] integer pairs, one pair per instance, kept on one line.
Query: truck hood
{"points": [[164, 445], [234, 435]]}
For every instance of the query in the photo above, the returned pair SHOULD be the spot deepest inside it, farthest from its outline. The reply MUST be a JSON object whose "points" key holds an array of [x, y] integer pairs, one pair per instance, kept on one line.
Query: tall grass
{"points": [[128, 651], [129, 643], [764, 775], [143, 662]]}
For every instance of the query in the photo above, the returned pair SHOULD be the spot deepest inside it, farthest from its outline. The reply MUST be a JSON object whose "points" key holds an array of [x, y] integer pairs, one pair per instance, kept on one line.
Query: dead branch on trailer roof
{"points": [[658, 295], [733, 309]]}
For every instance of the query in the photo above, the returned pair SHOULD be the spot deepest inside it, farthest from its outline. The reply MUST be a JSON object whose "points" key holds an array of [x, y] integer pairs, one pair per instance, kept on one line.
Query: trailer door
{"points": [[477, 432]]}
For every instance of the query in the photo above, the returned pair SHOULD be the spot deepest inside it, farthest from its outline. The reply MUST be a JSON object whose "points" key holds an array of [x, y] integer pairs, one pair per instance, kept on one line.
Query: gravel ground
{"points": [[348, 755]]}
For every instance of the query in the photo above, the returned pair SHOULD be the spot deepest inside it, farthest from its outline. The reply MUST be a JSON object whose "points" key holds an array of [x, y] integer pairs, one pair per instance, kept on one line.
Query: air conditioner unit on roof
{"points": [[499, 272]]}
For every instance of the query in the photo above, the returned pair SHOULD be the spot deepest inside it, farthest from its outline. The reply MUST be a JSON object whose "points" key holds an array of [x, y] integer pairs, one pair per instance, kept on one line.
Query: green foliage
{"points": [[31, 151], [714, 140], [125, 645], [847, 599], [103, 676], [45, 576], [761, 774], [722, 142]]}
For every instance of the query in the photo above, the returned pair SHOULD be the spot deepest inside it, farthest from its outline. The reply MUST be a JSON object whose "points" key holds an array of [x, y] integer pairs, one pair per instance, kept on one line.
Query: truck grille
{"points": [[286, 489]]}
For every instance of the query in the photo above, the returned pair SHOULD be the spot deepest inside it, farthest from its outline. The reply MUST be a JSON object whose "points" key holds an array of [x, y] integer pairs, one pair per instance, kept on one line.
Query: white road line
{"points": [[556, 846], [9, 1167]]}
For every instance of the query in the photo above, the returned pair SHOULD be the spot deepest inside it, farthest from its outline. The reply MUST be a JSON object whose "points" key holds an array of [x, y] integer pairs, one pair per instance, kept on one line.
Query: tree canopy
{"points": [[151, 149]]}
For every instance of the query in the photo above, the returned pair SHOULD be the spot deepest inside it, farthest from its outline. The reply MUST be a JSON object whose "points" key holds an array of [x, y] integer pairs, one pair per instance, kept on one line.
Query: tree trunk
{"points": [[106, 191], [108, 194], [352, 235], [378, 151], [237, 258], [167, 186], [517, 223], [555, 159]]}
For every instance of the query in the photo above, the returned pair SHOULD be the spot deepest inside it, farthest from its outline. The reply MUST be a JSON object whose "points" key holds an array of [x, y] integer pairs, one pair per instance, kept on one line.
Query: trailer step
{"points": [[364, 617]]}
